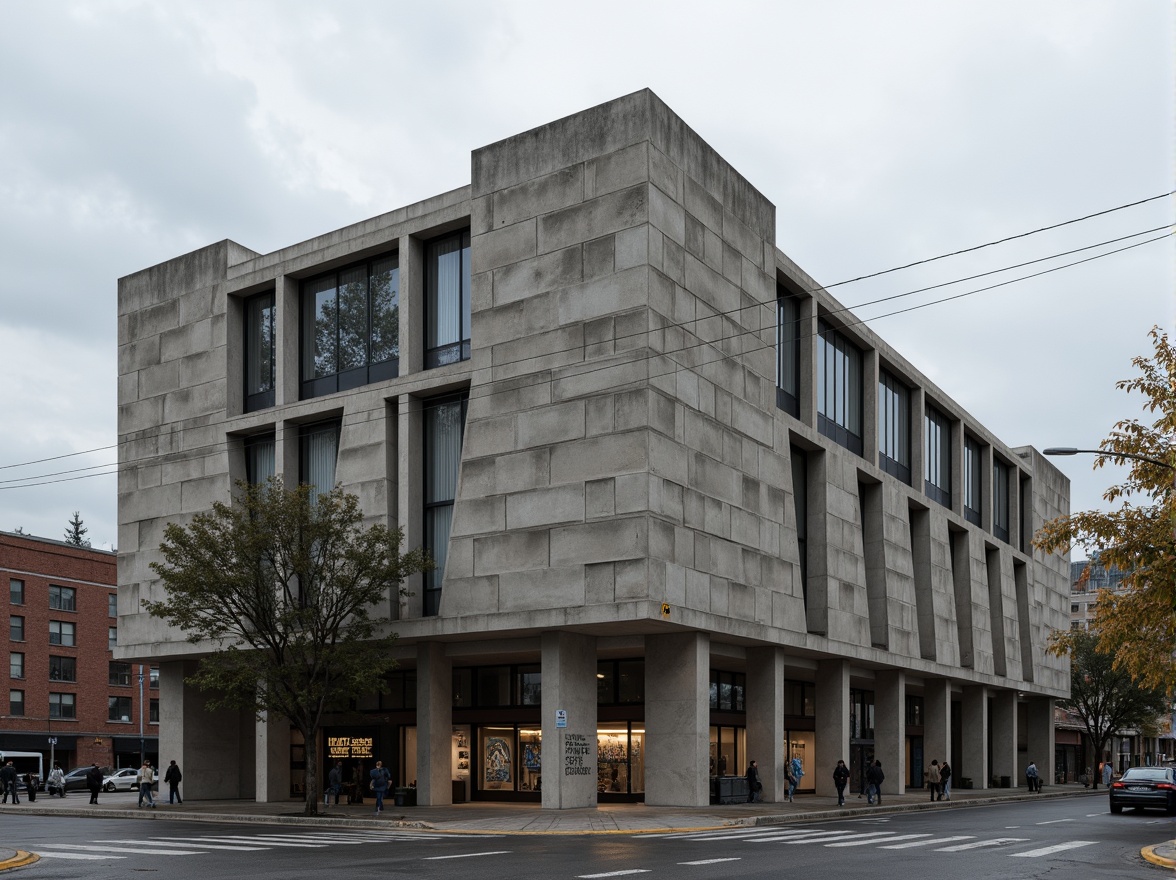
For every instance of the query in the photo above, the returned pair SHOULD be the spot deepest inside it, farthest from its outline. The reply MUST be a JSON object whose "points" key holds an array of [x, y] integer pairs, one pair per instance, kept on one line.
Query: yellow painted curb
{"points": [[21, 859], [1149, 853]]}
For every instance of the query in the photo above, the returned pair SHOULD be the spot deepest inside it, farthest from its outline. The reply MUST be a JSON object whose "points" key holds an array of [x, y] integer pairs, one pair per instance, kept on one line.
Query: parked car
{"points": [[121, 780], [1145, 787], [75, 779]]}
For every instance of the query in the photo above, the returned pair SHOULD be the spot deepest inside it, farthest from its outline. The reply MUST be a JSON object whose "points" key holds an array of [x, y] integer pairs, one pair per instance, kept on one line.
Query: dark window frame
{"points": [[114, 711], [119, 674], [1001, 508], [259, 376], [112, 605], [894, 426], [612, 677], [16, 628], [839, 388], [457, 349], [973, 480], [61, 633], [16, 705], [937, 466], [16, 594], [788, 352], [63, 704], [63, 598], [431, 595], [16, 668], [63, 668], [253, 444]]}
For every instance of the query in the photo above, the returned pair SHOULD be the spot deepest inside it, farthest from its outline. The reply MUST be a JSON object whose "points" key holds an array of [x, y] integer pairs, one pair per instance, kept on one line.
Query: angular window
{"points": [[62, 706], [259, 351], [839, 388], [118, 708], [120, 674], [16, 592], [16, 702], [788, 352], [894, 427], [112, 605], [63, 668], [1000, 500], [259, 458], [937, 456], [318, 453], [62, 598], [15, 665], [351, 327], [112, 638], [973, 483], [447, 300], [16, 628], [444, 424], [61, 633]]}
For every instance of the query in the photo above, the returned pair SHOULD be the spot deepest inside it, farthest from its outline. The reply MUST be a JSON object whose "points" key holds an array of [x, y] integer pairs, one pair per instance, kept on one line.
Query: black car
{"points": [[1145, 787]]}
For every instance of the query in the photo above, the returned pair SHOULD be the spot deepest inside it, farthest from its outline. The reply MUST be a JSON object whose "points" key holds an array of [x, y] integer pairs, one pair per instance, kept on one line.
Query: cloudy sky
{"points": [[885, 133]]}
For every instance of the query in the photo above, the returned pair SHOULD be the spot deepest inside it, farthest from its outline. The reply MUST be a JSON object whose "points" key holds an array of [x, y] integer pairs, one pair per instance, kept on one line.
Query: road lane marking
{"points": [[868, 842], [1092, 815], [497, 852], [156, 851], [189, 841], [710, 861], [1050, 850], [1054, 821], [47, 854], [930, 842], [996, 841], [614, 874], [236, 838]]}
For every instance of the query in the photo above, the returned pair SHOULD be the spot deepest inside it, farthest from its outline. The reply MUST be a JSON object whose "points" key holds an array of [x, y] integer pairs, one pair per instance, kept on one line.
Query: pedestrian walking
{"points": [[94, 782], [55, 784], [32, 782], [840, 779], [379, 784], [931, 778], [1106, 774], [8, 777], [145, 780], [795, 772], [173, 777], [754, 786], [945, 781], [334, 784], [874, 779]]}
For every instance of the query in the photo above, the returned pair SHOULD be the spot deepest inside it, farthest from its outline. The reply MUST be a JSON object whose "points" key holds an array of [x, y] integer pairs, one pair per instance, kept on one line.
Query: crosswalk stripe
{"points": [[874, 840], [817, 838], [756, 832], [155, 851], [310, 838], [1050, 850], [996, 841], [190, 841], [88, 857], [614, 873], [500, 852], [724, 834], [790, 836], [710, 861], [242, 839], [930, 842]]}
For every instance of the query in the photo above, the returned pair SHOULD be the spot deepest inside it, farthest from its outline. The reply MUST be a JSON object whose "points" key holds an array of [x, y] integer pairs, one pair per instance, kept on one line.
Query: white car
{"points": [[121, 780]]}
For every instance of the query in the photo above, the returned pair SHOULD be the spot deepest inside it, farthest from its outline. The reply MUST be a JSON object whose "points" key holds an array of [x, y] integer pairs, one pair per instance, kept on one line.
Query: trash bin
{"points": [[400, 795], [1006, 782]]}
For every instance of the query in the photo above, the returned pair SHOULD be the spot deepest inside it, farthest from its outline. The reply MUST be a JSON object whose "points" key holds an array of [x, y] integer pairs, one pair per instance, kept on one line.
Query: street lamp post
{"points": [[142, 753]]}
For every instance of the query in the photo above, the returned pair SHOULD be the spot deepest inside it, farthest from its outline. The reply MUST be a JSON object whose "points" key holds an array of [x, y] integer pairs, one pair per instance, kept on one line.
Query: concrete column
{"points": [[412, 305], [1040, 736], [205, 743], [890, 728], [410, 492], [434, 725], [832, 708], [1004, 736], [974, 761], [272, 750], [286, 342], [569, 692], [937, 724], [677, 719], [765, 718]]}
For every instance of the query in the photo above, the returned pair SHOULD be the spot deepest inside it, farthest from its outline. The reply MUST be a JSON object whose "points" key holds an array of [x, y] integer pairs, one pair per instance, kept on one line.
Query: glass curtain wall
{"points": [[894, 427], [839, 388], [937, 457]]}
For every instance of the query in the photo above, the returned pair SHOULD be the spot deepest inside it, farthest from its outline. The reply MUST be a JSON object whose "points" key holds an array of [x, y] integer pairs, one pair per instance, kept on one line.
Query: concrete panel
{"points": [[677, 675]]}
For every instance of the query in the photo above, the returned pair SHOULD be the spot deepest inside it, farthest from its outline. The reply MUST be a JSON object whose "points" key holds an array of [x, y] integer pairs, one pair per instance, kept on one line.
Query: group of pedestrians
{"points": [[937, 778]]}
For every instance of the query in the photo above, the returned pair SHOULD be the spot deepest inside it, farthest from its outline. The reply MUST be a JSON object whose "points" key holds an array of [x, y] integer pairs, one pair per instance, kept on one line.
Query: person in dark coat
{"points": [[173, 777], [840, 779], [754, 786], [8, 778], [94, 782], [874, 779]]}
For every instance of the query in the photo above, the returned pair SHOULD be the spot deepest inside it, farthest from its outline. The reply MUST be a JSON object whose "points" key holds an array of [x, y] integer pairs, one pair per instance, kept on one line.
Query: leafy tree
{"points": [[282, 583], [76, 532], [1137, 625], [1106, 699]]}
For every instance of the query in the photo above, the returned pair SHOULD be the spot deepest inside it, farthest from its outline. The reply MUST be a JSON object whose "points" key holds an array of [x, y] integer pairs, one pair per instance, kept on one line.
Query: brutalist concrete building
{"points": [[688, 511]]}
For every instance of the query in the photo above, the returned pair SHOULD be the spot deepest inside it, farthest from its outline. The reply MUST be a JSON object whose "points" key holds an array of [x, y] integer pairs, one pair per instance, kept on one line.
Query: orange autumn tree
{"points": [[1137, 626]]}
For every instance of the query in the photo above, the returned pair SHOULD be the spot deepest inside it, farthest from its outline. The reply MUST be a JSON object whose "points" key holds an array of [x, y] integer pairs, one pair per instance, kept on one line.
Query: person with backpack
{"points": [[795, 772], [173, 777], [874, 779], [380, 780], [840, 779], [945, 781], [146, 779]]}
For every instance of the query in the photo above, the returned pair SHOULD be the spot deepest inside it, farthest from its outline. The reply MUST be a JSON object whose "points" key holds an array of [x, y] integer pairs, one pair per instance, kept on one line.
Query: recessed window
{"points": [[259, 351], [839, 388], [351, 327], [444, 424], [63, 668], [61, 633], [788, 352], [259, 458], [937, 456], [16, 628], [153, 711], [894, 427], [62, 706], [447, 300], [727, 691], [16, 703], [118, 708], [62, 598], [112, 638], [153, 677], [973, 484], [318, 454], [16, 592], [800, 506], [112, 605], [1000, 500], [119, 674], [16, 665]]}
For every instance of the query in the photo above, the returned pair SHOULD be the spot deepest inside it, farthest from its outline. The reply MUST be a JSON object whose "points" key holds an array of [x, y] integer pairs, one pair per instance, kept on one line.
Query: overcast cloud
{"points": [[131, 132]]}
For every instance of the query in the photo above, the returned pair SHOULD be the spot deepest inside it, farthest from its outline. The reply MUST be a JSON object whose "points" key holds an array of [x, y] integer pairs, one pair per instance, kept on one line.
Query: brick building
{"points": [[687, 510], [63, 680]]}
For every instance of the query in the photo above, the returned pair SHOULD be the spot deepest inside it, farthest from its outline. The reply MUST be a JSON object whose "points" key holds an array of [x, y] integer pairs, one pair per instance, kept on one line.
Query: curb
{"points": [[1149, 853], [19, 860]]}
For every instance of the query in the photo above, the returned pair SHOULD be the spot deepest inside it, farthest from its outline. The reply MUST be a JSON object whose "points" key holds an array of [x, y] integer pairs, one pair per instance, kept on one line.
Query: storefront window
{"points": [[620, 760], [530, 759], [802, 744], [631, 678], [728, 748], [798, 699], [530, 686], [463, 688], [497, 750], [494, 686]]}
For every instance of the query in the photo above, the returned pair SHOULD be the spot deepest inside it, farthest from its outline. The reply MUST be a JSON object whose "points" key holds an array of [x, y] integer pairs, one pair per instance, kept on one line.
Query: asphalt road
{"points": [[1016, 840]]}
